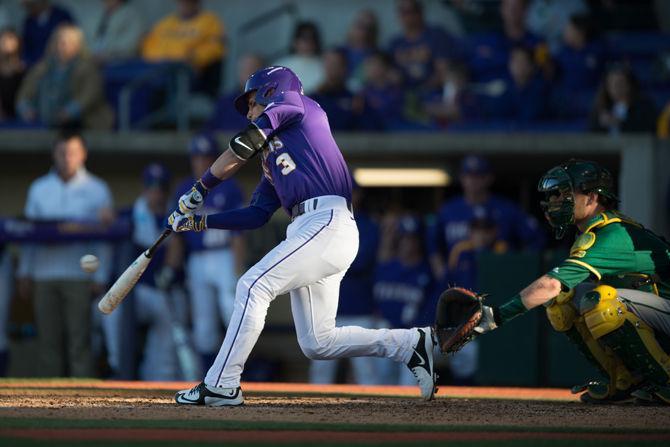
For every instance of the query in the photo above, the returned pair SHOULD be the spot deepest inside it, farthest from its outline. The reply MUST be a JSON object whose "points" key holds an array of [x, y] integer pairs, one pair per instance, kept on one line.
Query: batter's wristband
{"points": [[508, 311], [210, 181]]}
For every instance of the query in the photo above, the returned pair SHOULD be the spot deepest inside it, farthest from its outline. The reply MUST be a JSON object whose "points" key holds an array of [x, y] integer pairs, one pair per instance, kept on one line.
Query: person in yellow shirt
{"points": [[190, 35]]}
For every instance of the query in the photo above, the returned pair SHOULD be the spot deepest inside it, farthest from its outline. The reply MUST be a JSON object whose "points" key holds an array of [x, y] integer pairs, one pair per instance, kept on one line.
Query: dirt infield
{"points": [[273, 413]]}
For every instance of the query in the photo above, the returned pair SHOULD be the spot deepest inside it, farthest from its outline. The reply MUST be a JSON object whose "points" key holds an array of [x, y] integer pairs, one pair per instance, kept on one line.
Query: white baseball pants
{"points": [[310, 263], [365, 370]]}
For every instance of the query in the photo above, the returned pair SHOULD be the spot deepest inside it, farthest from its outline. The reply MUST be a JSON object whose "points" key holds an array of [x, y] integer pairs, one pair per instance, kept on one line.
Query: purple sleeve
{"points": [[284, 110], [265, 197], [247, 218], [264, 202]]}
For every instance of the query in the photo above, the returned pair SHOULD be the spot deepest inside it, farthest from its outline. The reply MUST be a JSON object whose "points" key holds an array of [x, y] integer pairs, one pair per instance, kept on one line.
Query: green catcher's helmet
{"points": [[563, 181]]}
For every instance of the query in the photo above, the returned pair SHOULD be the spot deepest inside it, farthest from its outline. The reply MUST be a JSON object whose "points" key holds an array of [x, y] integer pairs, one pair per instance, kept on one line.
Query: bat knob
{"points": [[104, 307]]}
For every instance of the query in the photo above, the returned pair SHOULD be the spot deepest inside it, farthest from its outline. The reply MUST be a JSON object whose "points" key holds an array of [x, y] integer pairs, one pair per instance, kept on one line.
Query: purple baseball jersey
{"points": [[302, 160]]}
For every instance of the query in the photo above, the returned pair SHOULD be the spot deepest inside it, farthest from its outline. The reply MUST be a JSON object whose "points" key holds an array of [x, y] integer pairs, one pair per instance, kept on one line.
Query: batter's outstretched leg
{"points": [[314, 308]]}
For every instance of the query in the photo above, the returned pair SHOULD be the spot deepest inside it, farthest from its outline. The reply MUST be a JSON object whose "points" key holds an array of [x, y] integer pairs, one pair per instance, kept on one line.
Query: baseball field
{"points": [[104, 413]]}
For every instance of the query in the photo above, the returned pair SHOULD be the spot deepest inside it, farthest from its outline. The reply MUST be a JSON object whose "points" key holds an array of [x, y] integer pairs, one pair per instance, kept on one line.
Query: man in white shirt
{"points": [[62, 291]]}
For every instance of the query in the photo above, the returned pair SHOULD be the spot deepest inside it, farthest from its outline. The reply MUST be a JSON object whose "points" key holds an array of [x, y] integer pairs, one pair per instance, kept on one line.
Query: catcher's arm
{"points": [[540, 291]]}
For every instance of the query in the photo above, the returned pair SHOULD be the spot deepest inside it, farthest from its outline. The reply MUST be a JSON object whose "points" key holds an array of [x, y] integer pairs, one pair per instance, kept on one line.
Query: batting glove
{"points": [[487, 323], [179, 222], [193, 200]]}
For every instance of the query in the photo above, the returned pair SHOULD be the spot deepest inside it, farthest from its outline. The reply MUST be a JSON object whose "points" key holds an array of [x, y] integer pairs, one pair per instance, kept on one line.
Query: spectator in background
{"points": [[356, 306], [580, 59], [12, 70], [342, 107], [225, 116], [523, 98], [403, 284], [456, 101], [620, 107], [192, 36], [213, 258], [548, 18], [421, 51], [516, 228], [578, 68], [304, 57], [362, 41], [118, 32], [42, 19], [65, 88], [490, 52], [382, 93], [62, 291]]}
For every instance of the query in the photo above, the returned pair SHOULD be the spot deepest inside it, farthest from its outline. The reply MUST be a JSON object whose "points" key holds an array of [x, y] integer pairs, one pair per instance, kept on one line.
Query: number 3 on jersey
{"points": [[286, 163]]}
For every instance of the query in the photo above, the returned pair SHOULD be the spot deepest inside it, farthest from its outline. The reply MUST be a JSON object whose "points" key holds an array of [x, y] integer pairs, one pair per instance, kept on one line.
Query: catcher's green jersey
{"points": [[619, 252]]}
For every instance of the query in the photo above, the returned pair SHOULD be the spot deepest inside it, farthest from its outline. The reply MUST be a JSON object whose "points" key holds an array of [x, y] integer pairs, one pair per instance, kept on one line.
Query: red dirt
{"points": [[288, 403], [305, 388]]}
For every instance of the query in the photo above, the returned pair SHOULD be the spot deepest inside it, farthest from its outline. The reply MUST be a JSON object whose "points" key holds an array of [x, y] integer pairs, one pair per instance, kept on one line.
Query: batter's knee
{"points": [[313, 350]]}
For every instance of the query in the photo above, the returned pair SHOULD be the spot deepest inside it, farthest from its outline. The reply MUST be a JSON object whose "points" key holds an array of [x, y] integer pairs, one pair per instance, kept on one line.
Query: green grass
{"points": [[205, 424]]}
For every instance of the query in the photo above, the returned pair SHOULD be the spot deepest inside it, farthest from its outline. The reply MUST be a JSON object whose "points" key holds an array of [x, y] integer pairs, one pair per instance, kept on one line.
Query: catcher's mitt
{"points": [[458, 312]]}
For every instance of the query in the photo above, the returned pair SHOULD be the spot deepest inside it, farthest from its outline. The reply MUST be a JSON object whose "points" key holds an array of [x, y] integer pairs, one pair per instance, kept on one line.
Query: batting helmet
{"points": [[267, 82]]}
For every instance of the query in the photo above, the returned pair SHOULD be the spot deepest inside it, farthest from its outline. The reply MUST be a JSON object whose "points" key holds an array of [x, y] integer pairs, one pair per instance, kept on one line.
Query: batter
{"points": [[304, 172]]}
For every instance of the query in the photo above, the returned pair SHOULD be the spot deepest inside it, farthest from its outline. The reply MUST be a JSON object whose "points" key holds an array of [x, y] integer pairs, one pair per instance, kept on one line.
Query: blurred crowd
{"points": [[405, 259], [572, 65]]}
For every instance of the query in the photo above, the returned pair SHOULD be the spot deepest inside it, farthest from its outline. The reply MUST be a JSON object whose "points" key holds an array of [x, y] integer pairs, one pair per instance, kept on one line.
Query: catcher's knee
{"points": [[603, 312], [609, 321], [561, 312]]}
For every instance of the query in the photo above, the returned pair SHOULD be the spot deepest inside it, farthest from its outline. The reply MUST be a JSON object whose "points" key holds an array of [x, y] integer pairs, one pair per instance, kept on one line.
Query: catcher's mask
{"points": [[559, 185]]}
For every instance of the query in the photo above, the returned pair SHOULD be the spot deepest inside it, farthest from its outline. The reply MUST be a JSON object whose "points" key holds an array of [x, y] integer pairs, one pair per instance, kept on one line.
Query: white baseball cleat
{"points": [[421, 364], [212, 396]]}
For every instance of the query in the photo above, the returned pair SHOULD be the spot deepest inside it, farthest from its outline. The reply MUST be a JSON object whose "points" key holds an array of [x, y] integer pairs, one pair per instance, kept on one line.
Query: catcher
{"points": [[611, 296]]}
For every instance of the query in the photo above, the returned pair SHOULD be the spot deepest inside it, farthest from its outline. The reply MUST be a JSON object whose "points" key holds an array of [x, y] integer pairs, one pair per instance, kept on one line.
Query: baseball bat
{"points": [[129, 277]]}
